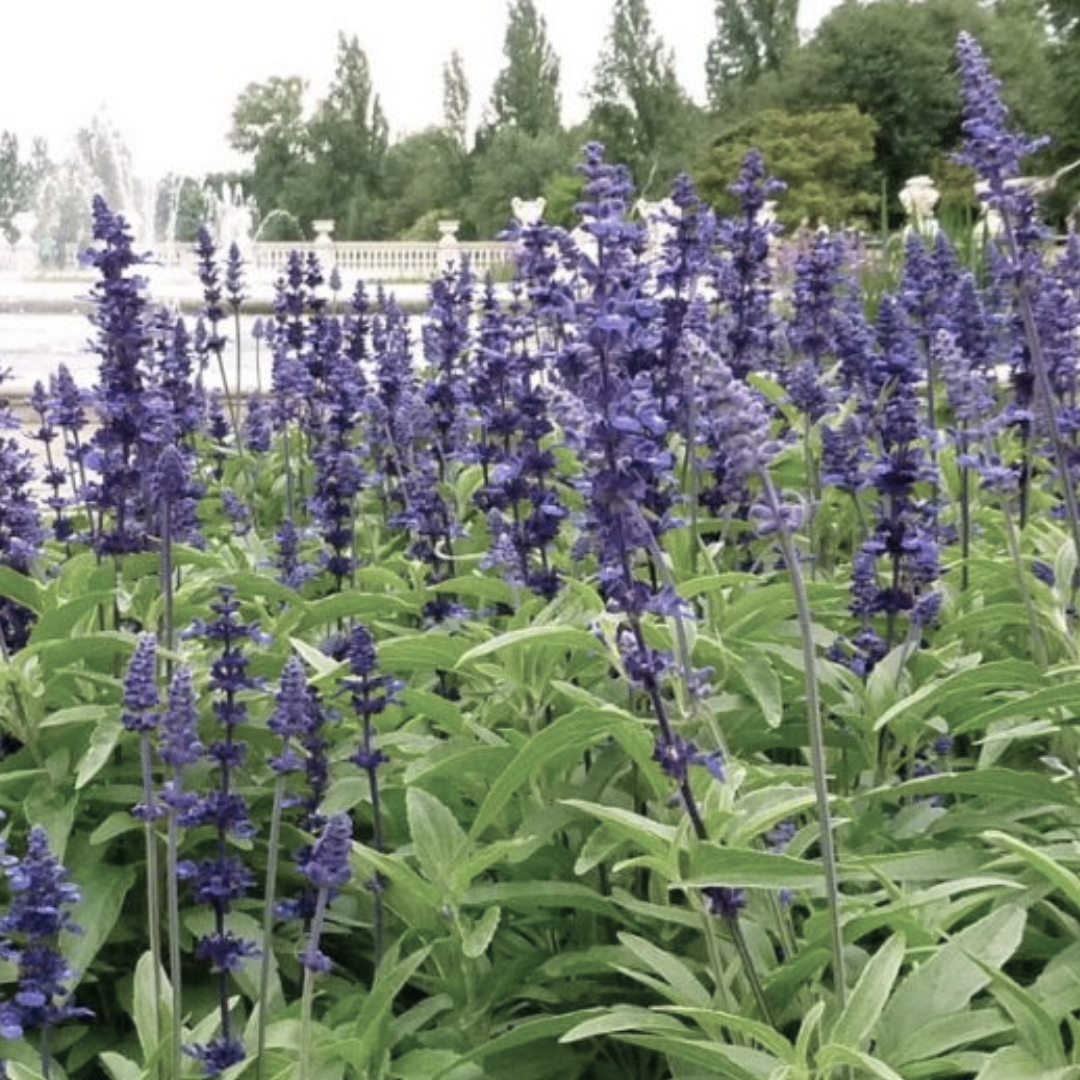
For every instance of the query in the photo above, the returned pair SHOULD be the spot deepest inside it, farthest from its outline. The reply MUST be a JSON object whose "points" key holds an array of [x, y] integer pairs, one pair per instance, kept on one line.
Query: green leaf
{"points": [[747, 868], [940, 989], [763, 1034], [992, 783], [476, 936], [316, 659], [1036, 1029], [684, 985], [651, 836], [330, 610], [119, 1068], [1018, 1063], [855, 1024], [146, 1006], [25, 590], [371, 1024], [753, 670], [727, 1061], [432, 651], [100, 751], [61, 622], [563, 740], [530, 895], [439, 841], [622, 1018], [103, 889], [1049, 868], [530, 637], [831, 1056]]}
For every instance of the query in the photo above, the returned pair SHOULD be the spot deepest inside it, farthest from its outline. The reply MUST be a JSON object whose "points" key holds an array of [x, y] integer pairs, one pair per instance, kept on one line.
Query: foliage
{"points": [[637, 107], [269, 123], [456, 98], [824, 157], [526, 91], [752, 37], [19, 179], [664, 664], [893, 61]]}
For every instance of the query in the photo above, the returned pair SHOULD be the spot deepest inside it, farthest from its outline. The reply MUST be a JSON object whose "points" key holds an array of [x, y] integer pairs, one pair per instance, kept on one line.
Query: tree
{"points": [[752, 37], [513, 163], [268, 122], [823, 157], [349, 138], [425, 173], [893, 60], [456, 101], [638, 109], [526, 90], [18, 179]]}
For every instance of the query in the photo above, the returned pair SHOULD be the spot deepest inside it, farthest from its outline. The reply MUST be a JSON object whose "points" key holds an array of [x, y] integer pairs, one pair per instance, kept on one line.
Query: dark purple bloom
{"points": [[29, 932], [141, 699], [218, 1054], [326, 863]]}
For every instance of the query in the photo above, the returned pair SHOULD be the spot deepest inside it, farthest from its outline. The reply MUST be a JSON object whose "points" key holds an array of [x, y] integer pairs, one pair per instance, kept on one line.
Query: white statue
{"points": [[919, 197], [658, 216], [528, 211]]}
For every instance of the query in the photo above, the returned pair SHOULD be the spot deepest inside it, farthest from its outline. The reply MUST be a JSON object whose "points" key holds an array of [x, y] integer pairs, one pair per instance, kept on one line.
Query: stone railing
{"points": [[384, 261]]}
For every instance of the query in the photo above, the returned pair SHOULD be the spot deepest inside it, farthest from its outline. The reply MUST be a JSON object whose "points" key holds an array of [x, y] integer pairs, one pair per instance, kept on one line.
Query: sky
{"points": [[167, 75]]}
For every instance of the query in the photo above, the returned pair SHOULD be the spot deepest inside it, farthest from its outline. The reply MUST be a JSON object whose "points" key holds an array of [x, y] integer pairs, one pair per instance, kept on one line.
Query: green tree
{"points": [[526, 91], [456, 101], [638, 109], [425, 173], [823, 157], [349, 140], [19, 178], [894, 60], [752, 37], [269, 124], [513, 163]]}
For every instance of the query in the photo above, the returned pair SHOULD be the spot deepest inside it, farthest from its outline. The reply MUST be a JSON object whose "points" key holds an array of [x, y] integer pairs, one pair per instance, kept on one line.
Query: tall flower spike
{"points": [[29, 934]]}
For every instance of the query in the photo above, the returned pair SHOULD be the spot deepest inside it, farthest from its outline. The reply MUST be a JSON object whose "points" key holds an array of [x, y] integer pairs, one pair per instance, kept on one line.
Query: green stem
{"points": [[272, 844], [816, 729], [308, 994], [153, 879]]}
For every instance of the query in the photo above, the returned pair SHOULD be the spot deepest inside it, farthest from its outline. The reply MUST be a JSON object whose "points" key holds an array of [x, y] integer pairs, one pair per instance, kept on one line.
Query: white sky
{"points": [[168, 74]]}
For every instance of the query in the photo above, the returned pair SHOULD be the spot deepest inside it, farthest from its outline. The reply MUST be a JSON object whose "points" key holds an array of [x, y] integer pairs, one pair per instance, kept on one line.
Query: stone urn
{"points": [[324, 230]]}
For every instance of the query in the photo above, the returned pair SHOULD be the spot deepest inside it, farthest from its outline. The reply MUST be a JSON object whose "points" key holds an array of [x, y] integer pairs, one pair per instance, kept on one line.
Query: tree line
{"points": [[843, 117]]}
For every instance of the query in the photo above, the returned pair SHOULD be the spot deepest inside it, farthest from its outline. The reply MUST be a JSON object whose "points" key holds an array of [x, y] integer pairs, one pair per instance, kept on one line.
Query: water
{"points": [[34, 344]]}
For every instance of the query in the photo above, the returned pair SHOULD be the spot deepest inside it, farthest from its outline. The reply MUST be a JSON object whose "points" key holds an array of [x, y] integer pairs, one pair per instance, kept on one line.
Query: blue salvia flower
{"points": [[743, 278], [990, 147], [903, 537], [29, 939], [325, 864], [139, 704], [447, 347], [179, 745], [67, 412], [370, 693], [686, 259], [177, 378], [221, 880], [258, 424], [122, 316], [523, 507], [339, 477], [21, 530], [55, 475], [818, 282]]}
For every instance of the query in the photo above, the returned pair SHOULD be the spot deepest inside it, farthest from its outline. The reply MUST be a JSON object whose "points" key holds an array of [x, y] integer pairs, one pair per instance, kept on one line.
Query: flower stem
{"points": [[816, 730]]}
